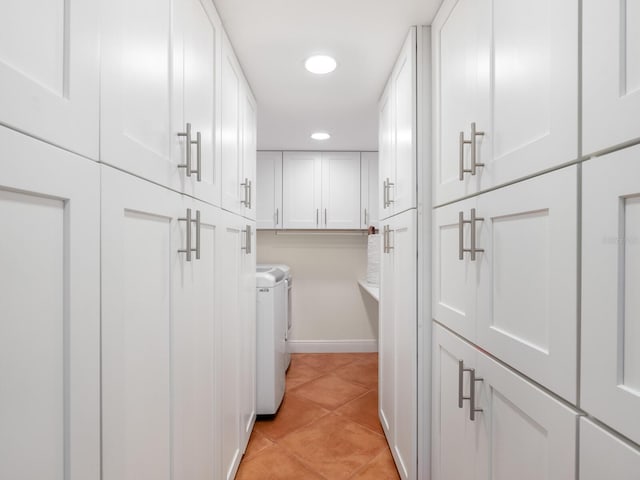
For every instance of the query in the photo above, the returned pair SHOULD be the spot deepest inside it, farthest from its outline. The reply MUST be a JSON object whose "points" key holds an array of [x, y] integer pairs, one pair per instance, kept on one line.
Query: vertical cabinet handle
{"points": [[198, 169], [188, 144], [462, 143], [245, 200], [277, 216], [366, 221], [188, 248], [472, 389], [474, 149], [389, 185], [325, 217], [384, 194], [247, 240], [387, 239], [198, 224], [474, 232], [317, 216]]}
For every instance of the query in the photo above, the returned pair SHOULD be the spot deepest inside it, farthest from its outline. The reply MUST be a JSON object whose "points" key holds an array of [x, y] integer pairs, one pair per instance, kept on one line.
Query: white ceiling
{"points": [[272, 38]]}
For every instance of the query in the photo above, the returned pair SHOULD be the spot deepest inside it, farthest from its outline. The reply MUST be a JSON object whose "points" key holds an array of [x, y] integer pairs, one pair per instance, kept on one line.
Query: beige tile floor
{"points": [[327, 427]]}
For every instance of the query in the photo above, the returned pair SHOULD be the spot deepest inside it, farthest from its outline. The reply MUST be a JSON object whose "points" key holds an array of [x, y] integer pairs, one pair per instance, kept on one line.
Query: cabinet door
{"points": [[140, 241], [386, 148], [340, 190], [269, 190], [386, 337], [49, 66], [229, 369], [194, 347], [610, 378], [527, 290], [301, 189], [249, 145], [196, 86], [453, 433], [603, 455], [402, 193], [461, 41], [454, 283], [231, 117], [610, 73], [525, 433], [50, 304], [368, 189], [136, 134]]}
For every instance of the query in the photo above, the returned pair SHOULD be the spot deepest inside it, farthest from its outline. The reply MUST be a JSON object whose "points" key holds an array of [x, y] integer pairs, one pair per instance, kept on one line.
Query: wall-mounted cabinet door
{"points": [[603, 455], [610, 378], [505, 92], [386, 150], [368, 189], [141, 239], [50, 303], [136, 133], [196, 95], [49, 66], [527, 277], [301, 189], [269, 190], [340, 190], [610, 73], [454, 269], [249, 151]]}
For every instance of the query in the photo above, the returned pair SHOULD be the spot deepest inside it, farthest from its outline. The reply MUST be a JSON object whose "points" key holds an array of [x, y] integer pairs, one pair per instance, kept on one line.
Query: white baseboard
{"points": [[332, 346]]}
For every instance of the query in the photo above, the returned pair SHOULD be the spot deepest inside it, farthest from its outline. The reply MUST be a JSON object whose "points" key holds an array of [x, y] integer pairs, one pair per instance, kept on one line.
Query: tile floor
{"points": [[327, 427]]}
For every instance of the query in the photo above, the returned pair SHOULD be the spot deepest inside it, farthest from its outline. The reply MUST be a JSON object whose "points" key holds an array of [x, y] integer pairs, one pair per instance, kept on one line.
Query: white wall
{"points": [[330, 311]]}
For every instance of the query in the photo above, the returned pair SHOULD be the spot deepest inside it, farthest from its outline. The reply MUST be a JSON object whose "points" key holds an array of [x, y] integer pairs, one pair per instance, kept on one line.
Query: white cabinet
{"points": [[321, 190], [49, 66], [50, 303], [340, 207], [397, 340], [398, 135], [160, 92], [238, 137], [488, 422], [269, 190], [505, 83], [610, 284], [610, 73], [368, 189], [602, 455], [505, 275], [237, 331]]}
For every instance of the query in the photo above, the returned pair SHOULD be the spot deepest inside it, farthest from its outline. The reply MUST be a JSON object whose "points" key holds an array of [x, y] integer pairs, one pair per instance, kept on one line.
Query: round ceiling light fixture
{"points": [[320, 136], [320, 64]]}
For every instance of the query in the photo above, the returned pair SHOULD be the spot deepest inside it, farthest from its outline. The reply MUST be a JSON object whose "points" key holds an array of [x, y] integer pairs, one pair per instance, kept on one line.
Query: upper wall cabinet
{"points": [[610, 285], [301, 189], [397, 135], [340, 190], [160, 64], [368, 189], [505, 92], [49, 66], [611, 73], [269, 190]]}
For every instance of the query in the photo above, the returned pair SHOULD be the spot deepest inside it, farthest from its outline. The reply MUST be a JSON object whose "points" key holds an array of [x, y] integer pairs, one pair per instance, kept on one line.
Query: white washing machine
{"points": [[270, 339], [289, 290]]}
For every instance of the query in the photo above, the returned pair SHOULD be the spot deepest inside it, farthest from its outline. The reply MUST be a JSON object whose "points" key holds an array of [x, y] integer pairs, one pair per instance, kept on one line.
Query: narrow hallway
{"points": [[327, 426]]}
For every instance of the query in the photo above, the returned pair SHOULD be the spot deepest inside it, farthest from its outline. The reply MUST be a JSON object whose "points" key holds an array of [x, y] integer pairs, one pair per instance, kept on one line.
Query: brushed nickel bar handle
{"points": [[188, 143], [250, 194], [277, 216], [245, 202], [384, 194], [461, 371], [366, 221], [389, 185], [325, 217], [474, 162], [317, 217], [188, 249], [384, 239], [472, 394], [198, 224], [473, 222], [461, 223], [198, 143], [462, 143], [248, 233], [389, 246]]}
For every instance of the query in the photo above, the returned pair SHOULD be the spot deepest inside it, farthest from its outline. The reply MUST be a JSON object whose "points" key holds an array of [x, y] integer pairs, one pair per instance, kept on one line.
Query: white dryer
{"points": [[289, 291], [270, 335]]}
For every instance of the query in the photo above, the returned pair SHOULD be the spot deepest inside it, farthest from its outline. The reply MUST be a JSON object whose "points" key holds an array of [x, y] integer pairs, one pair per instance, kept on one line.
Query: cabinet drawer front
{"points": [[610, 73], [603, 455], [527, 434], [610, 286], [527, 290]]}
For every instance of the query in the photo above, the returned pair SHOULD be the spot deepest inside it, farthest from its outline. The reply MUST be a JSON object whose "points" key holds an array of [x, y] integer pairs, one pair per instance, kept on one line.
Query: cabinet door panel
{"points": [[249, 146], [49, 65], [611, 73], [454, 284], [269, 190], [527, 293], [526, 433], [301, 194], [50, 321], [386, 147], [136, 71], [137, 325], [610, 282], [369, 188], [340, 190], [603, 455], [386, 339]]}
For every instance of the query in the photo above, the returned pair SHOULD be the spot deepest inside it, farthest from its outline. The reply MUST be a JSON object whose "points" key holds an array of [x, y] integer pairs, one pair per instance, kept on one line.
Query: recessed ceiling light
{"points": [[320, 136], [320, 64]]}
